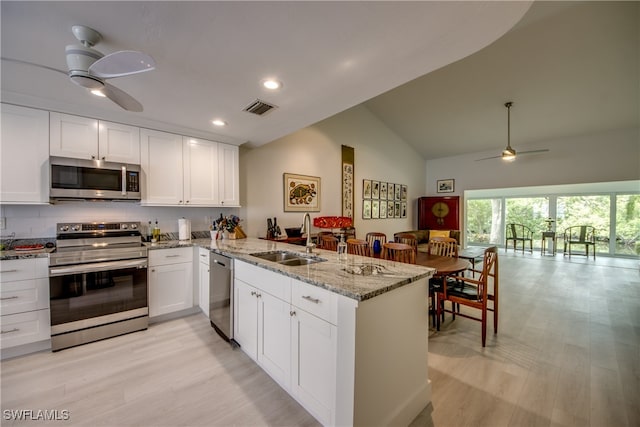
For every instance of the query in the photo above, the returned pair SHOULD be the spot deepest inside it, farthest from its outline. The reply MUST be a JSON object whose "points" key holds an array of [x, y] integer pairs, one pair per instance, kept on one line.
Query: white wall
{"points": [[316, 151], [40, 221], [603, 157]]}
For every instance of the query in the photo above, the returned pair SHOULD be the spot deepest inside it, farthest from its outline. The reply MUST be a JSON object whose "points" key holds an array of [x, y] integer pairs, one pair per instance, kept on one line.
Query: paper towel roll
{"points": [[184, 229]]}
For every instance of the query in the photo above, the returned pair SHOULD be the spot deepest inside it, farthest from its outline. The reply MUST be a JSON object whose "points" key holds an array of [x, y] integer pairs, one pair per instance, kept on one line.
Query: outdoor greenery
{"points": [[485, 222]]}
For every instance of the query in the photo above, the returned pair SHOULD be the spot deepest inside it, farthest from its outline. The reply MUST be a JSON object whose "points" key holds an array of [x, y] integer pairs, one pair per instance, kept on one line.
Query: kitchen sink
{"points": [[291, 259]]}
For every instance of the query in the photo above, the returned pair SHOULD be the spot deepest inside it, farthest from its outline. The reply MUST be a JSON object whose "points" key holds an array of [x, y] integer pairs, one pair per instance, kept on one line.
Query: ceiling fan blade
{"points": [[534, 151], [122, 63], [121, 98], [19, 61], [487, 158]]}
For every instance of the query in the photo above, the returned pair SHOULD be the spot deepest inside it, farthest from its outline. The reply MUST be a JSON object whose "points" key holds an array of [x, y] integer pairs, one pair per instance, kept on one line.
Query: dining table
{"points": [[444, 265]]}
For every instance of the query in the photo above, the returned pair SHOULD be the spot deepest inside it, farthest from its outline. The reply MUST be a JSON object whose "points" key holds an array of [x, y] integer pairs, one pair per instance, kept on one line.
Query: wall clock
{"points": [[438, 213]]}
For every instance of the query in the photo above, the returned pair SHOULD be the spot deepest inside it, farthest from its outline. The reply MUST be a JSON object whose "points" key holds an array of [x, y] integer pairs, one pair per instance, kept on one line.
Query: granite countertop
{"points": [[359, 278]]}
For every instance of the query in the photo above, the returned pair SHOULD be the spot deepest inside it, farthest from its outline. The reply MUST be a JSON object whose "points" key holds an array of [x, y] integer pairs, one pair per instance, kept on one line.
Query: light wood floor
{"points": [[567, 354]]}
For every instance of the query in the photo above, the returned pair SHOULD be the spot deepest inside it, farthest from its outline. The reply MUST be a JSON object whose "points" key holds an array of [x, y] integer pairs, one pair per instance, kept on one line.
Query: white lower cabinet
{"points": [[203, 280], [297, 349], [170, 280], [24, 292], [313, 357]]}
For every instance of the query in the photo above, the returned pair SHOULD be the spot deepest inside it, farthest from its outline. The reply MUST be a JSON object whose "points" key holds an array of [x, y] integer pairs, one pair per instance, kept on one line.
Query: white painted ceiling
{"points": [[568, 67]]}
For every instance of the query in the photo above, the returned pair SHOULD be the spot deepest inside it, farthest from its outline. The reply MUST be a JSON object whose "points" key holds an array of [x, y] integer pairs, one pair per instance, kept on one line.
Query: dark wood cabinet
{"points": [[439, 213]]}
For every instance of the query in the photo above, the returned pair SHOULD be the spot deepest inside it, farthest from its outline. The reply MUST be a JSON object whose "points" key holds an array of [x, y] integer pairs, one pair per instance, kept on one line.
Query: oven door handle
{"points": [[99, 266]]}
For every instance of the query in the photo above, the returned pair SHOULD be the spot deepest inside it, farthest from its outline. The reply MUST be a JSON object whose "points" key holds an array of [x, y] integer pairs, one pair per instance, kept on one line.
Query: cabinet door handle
{"points": [[8, 271], [313, 300], [11, 297], [172, 256], [187, 201], [259, 295], [10, 330], [153, 270], [179, 201], [292, 313], [253, 293], [203, 256], [93, 157]]}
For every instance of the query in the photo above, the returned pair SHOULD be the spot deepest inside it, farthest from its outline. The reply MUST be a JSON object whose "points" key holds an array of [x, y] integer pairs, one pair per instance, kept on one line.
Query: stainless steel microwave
{"points": [[93, 180]]}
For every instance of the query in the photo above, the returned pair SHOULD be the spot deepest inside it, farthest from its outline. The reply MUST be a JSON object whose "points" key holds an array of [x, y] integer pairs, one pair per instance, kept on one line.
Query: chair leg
{"points": [[484, 326]]}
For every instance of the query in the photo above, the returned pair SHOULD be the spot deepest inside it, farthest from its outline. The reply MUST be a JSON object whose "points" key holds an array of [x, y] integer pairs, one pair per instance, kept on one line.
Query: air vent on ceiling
{"points": [[259, 107]]}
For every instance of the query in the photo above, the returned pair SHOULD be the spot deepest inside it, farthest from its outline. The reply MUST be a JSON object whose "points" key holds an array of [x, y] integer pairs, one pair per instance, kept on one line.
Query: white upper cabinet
{"points": [[90, 139], [24, 155], [200, 160], [187, 171], [118, 143], [228, 175], [161, 163]]}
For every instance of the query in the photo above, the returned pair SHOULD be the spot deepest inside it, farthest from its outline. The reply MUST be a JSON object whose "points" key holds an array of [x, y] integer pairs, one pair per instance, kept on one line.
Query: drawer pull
{"points": [[9, 271], [11, 297], [10, 330], [172, 256], [292, 313], [313, 300]]}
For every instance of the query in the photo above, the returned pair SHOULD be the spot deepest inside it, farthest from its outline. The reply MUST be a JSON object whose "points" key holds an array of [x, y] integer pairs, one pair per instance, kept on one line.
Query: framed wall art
{"points": [[366, 188], [301, 193], [375, 209], [375, 189], [445, 185], [366, 209], [383, 191]]}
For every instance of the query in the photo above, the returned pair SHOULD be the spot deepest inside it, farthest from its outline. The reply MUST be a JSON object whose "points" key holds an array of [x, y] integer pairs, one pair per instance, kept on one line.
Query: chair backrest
{"points": [[518, 231], [330, 243], [358, 247], [489, 271], [407, 239], [443, 246], [374, 235], [319, 237], [580, 233], [399, 252]]}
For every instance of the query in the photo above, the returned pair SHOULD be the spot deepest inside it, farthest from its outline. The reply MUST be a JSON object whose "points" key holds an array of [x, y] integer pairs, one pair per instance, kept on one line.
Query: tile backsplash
{"points": [[39, 221]]}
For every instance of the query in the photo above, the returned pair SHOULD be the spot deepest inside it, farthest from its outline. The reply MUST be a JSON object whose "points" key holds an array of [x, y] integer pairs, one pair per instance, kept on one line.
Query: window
{"points": [[484, 222], [627, 225], [529, 211], [585, 210]]}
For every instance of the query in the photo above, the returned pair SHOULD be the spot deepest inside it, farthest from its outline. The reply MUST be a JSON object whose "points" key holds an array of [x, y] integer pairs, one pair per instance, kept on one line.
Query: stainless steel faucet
{"points": [[306, 228]]}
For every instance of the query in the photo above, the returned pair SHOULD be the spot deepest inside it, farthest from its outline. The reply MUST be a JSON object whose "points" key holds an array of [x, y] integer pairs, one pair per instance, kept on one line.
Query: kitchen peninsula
{"points": [[347, 339]]}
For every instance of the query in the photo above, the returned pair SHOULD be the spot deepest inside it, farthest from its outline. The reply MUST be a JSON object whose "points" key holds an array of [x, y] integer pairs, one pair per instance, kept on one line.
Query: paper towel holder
{"points": [[184, 229]]}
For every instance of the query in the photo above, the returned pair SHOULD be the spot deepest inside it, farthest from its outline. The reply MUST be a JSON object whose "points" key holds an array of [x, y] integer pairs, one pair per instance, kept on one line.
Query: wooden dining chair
{"points": [[406, 238], [518, 233], [319, 237], [374, 236], [399, 252], [358, 247], [580, 235], [441, 246], [474, 293], [329, 243]]}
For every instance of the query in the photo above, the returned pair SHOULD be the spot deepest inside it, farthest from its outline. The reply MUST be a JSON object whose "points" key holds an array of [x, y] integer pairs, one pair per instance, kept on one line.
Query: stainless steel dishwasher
{"points": [[221, 295]]}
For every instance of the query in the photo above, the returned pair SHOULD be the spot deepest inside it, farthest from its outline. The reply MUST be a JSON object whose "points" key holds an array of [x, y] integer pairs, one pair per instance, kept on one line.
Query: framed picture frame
{"points": [[390, 209], [383, 209], [366, 188], [398, 191], [403, 210], [397, 210], [403, 193], [383, 191], [375, 209], [445, 185], [301, 193], [375, 189], [366, 209]]}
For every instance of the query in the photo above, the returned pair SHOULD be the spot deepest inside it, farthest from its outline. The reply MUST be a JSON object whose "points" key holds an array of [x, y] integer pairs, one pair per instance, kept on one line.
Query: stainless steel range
{"points": [[97, 282]]}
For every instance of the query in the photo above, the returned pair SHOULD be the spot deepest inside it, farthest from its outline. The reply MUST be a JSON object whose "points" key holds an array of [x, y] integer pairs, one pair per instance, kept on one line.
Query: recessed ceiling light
{"points": [[98, 92], [218, 122], [272, 84]]}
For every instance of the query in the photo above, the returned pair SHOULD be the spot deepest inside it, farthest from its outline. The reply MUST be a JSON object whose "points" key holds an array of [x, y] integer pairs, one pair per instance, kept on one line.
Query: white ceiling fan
{"points": [[89, 68], [509, 154]]}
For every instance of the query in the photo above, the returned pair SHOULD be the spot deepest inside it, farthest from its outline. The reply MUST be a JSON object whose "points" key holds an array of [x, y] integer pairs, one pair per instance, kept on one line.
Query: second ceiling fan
{"points": [[509, 154]]}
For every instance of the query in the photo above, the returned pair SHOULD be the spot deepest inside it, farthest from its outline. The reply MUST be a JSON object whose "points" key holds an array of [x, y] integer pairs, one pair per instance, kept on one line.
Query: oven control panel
{"points": [[93, 227]]}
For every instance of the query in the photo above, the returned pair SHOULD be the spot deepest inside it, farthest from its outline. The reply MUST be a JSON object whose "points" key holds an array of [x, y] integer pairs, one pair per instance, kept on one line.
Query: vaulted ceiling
{"points": [[437, 73]]}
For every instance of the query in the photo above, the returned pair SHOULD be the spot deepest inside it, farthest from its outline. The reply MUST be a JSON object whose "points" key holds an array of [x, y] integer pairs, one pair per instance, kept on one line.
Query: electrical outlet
{"points": [[3, 223]]}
